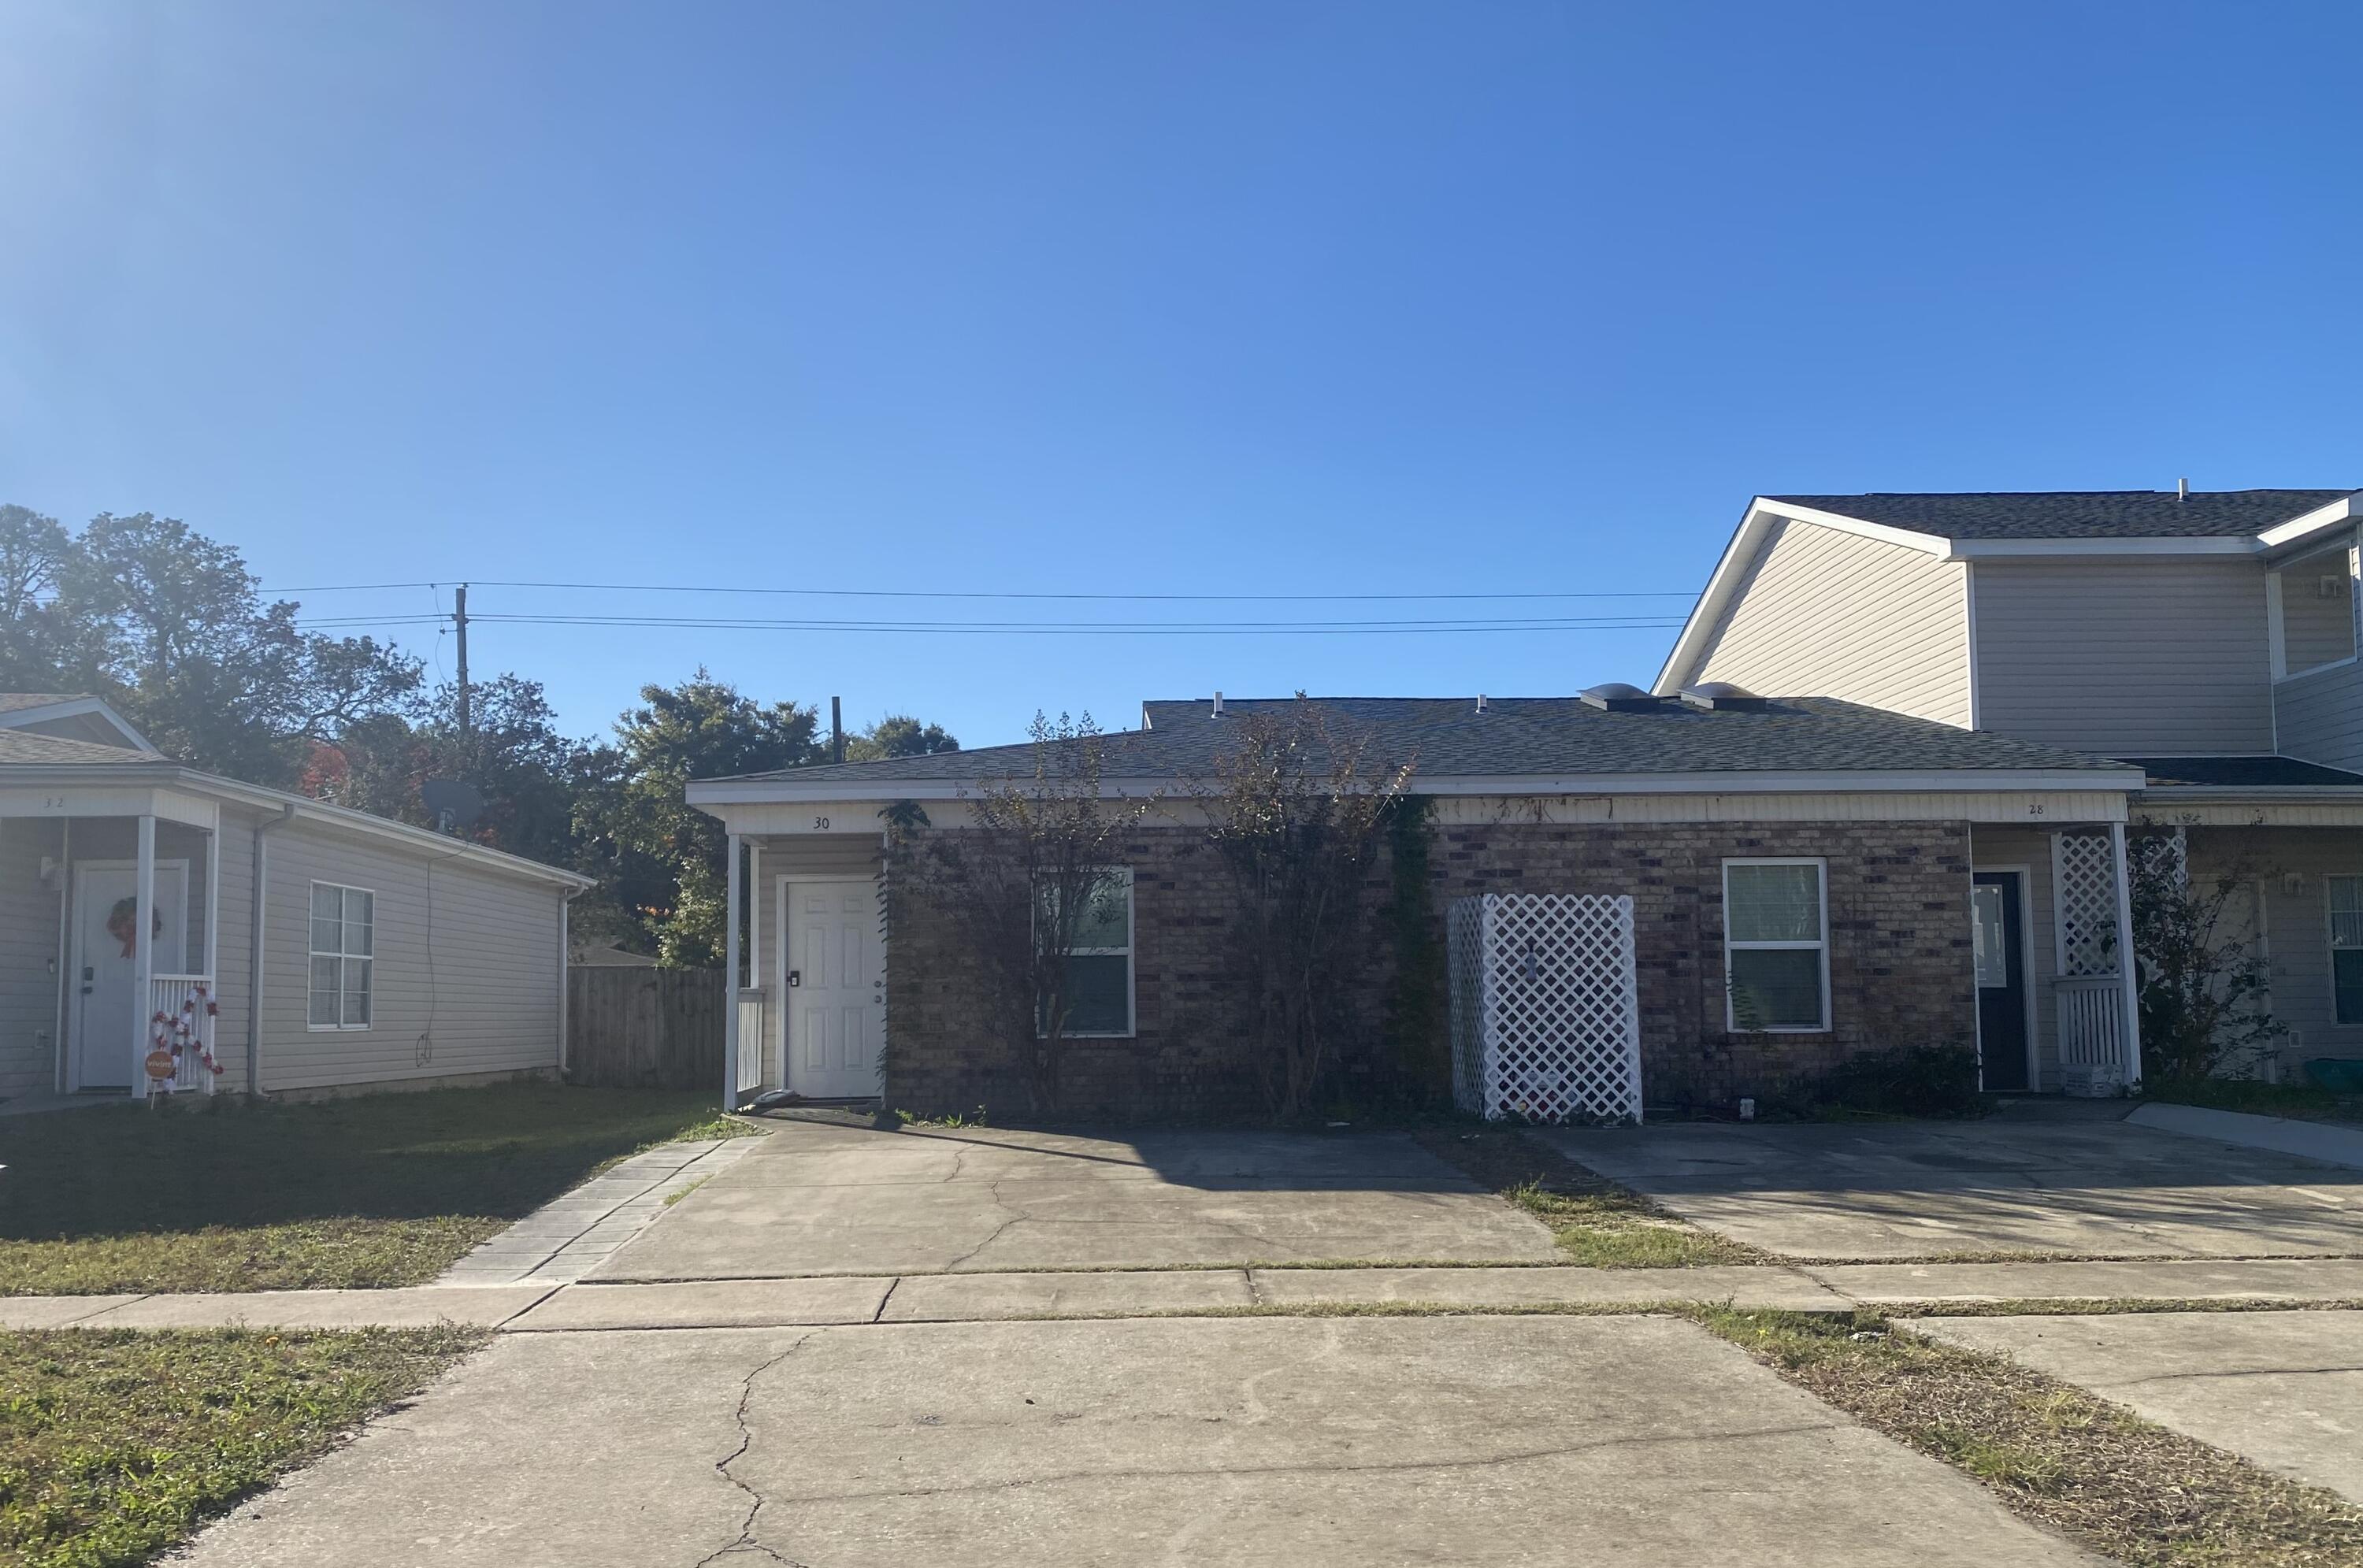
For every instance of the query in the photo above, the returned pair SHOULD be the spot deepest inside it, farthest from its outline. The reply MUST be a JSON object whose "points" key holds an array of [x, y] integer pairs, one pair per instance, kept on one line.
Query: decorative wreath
{"points": [[123, 923]]}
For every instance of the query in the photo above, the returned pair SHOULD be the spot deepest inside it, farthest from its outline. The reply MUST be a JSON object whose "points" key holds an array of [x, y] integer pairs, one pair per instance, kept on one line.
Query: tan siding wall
{"points": [[2321, 716], [1825, 613], [2131, 656], [2297, 924], [482, 998], [231, 970]]}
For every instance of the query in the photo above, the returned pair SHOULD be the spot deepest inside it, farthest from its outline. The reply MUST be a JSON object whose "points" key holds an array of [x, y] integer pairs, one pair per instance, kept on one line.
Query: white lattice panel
{"points": [[1546, 1018], [2084, 896]]}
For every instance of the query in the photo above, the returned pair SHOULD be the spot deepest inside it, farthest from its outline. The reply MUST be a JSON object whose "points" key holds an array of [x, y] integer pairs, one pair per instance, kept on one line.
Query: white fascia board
{"points": [[1986, 549], [2319, 520], [215, 787], [2165, 795], [2109, 780], [1740, 554], [73, 709]]}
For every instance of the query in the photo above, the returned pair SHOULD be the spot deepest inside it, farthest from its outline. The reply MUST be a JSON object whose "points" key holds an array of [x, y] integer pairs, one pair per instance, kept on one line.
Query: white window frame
{"points": [[2276, 632], [2331, 943], [1131, 967], [342, 958], [1731, 944]]}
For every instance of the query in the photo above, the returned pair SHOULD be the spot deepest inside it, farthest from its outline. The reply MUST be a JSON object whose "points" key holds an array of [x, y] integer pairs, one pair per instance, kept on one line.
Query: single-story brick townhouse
{"points": [[145, 906], [1801, 870]]}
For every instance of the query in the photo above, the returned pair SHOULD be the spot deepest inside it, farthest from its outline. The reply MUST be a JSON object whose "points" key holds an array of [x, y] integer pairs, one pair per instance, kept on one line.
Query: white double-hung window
{"points": [[1098, 979], [1776, 943], [344, 947]]}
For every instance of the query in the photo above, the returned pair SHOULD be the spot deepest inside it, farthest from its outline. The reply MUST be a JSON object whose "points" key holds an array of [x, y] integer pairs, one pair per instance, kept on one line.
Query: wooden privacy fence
{"points": [[631, 1028]]}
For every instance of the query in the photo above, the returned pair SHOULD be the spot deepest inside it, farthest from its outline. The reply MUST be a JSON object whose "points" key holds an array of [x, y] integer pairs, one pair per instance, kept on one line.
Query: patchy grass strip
{"points": [[115, 1444], [2107, 1306], [2090, 1469], [1598, 1223], [376, 1190]]}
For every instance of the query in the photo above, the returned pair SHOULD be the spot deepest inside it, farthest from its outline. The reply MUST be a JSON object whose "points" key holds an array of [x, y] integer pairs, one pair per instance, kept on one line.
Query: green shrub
{"points": [[1903, 1080]]}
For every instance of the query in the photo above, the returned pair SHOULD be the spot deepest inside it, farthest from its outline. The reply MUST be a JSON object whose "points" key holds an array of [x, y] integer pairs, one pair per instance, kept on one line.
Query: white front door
{"points": [[106, 964], [835, 988]]}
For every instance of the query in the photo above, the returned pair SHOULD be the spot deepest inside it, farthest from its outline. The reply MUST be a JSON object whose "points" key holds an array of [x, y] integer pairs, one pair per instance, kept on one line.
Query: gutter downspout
{"points": [[254, 948]]}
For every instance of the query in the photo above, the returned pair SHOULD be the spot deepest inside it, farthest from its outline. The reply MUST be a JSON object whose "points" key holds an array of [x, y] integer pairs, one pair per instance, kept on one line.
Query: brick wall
{"points": [[1900, 967]]}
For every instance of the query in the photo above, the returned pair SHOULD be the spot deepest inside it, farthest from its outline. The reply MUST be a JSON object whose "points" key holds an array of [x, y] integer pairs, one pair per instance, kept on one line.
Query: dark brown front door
{"points": [[2001, 959]]}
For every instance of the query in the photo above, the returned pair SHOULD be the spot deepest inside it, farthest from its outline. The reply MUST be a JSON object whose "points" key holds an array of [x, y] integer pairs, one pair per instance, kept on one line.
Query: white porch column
{"points": [[730, 981], [2126, 966], [143, 957], [211, 967]]}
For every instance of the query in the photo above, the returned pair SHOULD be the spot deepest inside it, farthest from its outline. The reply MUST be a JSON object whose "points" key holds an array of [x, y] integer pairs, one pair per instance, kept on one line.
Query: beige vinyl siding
{"points": [[29, 913], [2320, 716], [467, 982], [231, 971], [2297, 921], [1826, 613], [2129, 657], [2001, 849], [2317, 609]]}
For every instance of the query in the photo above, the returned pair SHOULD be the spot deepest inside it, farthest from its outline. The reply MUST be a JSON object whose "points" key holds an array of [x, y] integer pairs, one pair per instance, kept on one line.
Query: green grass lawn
{"points": [[231, 1195], [115, 1445]]}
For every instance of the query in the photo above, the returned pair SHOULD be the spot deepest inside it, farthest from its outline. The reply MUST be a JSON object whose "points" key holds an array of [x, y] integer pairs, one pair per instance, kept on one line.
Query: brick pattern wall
{"points": [[1899, 966], [1900, 970]]}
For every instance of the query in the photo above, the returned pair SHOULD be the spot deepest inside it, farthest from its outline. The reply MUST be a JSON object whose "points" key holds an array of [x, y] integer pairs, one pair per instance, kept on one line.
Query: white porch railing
{"points": [[2092, 1057], [181, 1020], [750, 1040]]}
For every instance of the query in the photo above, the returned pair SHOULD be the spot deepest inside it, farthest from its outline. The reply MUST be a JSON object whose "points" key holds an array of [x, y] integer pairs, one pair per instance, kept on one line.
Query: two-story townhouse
{"points": [[2210, 638]]}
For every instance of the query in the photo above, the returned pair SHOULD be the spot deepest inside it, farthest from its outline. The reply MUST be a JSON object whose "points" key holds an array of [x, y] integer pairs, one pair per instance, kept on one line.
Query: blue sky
{"points": [[1202, 298]]}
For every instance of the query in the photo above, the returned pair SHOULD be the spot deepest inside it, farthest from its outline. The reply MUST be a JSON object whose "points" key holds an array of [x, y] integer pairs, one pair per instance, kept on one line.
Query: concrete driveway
{"points": [[1281, 1441], [819, 1199], [2064, 1185]]}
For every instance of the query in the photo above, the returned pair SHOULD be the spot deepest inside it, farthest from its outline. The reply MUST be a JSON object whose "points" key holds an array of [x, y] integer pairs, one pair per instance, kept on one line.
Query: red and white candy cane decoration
{"points": [[177, 1032]]}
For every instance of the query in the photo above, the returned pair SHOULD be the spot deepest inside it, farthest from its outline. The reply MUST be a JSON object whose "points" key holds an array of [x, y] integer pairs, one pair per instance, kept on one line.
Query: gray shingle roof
{"points": [[2079, 514], [1538, 736], [17, 701], [24, 749], [2243, 772]]}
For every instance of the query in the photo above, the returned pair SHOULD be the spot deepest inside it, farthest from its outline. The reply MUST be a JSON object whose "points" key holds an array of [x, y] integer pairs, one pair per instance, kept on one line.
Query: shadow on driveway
{"points": [[2065, 1186]]}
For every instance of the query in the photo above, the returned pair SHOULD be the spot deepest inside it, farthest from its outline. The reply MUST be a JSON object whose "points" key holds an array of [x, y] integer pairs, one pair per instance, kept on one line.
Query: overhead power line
{"points": [[1026, 628], [962, 593]]}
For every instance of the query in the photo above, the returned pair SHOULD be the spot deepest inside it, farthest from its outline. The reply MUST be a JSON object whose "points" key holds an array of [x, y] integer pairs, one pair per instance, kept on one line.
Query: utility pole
{"points": [[460, 622], [836, 731]]}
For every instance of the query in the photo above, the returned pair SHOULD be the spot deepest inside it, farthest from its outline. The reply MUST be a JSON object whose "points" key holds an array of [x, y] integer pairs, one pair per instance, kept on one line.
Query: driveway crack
{"points": [[745, 1544]]}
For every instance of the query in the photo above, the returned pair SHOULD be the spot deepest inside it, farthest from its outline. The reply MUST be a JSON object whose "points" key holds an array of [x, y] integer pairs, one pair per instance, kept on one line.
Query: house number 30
{"points": [[820, 824]]}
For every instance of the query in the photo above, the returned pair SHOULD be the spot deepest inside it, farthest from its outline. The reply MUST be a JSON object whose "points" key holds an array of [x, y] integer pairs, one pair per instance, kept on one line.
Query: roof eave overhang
{"points": [[2303, 530], [74, 707], [2105, 780], [174, 774], [2252, 794]]}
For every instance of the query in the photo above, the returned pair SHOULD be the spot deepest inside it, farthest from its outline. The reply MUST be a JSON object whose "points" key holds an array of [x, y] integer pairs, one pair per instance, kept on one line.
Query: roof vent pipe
{"points": [[1218, 705], [1481, 701], [2182, 490]]}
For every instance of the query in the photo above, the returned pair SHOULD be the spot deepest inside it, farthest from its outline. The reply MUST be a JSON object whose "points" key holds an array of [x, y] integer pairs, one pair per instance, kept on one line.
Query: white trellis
{"points": [[1546, 1018], [2084, 898]]}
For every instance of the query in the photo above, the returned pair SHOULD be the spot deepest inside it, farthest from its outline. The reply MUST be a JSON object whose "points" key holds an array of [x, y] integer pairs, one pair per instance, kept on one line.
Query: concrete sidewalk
{"points": [[543, 1307], [569, 1236]]}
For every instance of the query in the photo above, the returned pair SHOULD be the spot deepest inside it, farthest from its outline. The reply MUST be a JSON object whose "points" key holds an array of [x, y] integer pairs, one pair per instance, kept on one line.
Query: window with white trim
{"points": [[1098, 989], [1776, 947], [344, 947], [2346, 946]]}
